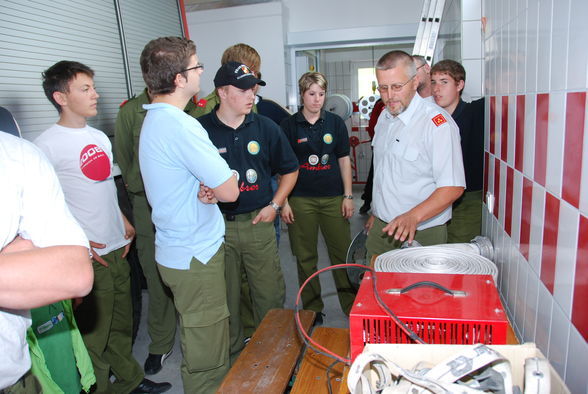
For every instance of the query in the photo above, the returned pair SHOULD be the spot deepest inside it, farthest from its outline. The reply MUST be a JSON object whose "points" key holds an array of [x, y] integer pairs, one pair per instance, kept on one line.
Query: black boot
{"points": [[147, 386]]}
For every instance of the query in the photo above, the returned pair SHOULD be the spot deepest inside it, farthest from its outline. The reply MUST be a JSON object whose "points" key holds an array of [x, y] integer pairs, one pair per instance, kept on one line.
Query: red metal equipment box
{"points": [[473, 315]]}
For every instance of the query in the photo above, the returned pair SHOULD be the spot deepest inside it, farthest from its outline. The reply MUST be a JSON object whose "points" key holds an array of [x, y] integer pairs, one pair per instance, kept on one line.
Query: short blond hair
{"points": [[310, 78], [242, 53]]}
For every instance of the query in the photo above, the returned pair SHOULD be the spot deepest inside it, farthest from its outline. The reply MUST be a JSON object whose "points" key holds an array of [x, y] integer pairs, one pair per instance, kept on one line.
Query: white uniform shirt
{"points": [[430, 99], [415, 153], [32, 206], [82, 159]]}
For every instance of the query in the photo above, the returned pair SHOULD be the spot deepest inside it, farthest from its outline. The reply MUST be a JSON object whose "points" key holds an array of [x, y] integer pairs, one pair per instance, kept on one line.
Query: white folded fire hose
{"points": [[475, 370], [441, 259]]}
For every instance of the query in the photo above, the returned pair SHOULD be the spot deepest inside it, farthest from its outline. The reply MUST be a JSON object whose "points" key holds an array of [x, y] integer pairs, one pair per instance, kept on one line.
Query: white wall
{"points": [[337, 23], [311, 15], [258, 25], [340, 66], [449, 41], [275, 27], [472, 57]]}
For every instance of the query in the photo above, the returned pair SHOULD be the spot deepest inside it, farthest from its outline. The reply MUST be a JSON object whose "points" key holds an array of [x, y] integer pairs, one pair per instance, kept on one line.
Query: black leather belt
{"points": [[232, 217]]}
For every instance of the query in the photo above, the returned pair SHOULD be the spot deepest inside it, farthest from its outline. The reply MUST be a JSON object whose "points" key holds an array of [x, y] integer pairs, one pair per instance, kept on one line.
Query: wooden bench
{"points": [[268, 361], [311, 376]]}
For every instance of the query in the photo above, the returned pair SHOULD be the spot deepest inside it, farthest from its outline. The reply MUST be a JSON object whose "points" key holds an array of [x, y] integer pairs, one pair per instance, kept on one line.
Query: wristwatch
{"points": [[275, 206], [348, 196]]}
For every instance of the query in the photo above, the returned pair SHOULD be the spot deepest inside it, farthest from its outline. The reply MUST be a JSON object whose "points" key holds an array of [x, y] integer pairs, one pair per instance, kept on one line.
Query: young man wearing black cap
{"points": [[255, 149]]}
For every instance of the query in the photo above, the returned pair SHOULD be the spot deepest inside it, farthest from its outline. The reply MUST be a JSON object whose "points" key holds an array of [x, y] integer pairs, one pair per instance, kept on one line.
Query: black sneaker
{"points": [[154, 363], [318, 320], [147, 386], [364, 208]]}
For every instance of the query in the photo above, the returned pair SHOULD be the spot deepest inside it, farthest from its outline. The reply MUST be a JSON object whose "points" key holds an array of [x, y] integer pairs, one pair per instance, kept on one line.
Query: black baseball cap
{"points": [[236, 74]]}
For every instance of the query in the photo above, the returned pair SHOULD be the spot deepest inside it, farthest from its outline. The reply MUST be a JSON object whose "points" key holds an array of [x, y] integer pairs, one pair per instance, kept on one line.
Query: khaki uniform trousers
{"points": [[377, 242], [27, 384], [466, 218], [105, 322], [254, 248], [200, 299], [310, 214], [161, 313]]}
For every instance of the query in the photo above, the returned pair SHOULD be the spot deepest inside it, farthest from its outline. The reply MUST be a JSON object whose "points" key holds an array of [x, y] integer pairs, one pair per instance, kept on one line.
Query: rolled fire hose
{"points": [[441, 259], [479, 245]]}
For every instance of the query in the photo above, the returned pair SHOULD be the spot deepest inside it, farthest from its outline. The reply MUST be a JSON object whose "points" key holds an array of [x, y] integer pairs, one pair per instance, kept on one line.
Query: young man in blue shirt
{"points": [[184, 177]]}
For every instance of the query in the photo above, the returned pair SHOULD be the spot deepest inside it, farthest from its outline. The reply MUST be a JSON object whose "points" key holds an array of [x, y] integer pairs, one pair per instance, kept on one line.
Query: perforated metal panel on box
{"points": [[475, 315]]}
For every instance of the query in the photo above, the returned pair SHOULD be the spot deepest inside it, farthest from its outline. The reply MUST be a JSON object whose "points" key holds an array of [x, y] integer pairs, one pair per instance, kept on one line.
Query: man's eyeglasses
{"points": [[196, 67], [395, 88]]}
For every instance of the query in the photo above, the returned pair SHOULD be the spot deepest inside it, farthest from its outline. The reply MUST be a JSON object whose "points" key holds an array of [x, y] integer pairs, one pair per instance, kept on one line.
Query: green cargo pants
{"points": [[200, 299], [310, 214], [254, 247], [377, 242], [104, 320], [161, 314], [466, 218], [27, 384]]}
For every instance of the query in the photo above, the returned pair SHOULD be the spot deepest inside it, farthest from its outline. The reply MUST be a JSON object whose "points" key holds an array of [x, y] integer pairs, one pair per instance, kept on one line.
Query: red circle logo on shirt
{"points": [[94, 163]]}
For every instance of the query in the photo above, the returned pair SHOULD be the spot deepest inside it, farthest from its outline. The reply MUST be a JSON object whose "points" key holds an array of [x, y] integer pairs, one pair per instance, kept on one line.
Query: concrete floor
{"points": [[334, 317]]}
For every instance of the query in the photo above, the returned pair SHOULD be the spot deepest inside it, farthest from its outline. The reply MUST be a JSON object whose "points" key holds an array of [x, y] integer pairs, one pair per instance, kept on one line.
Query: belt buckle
{"points": [[230, 217]]}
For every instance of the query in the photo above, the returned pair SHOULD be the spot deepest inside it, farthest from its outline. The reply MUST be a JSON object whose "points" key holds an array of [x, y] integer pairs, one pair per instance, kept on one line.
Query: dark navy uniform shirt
{"points": [[256, 150], [470, 119], [318, 148]]}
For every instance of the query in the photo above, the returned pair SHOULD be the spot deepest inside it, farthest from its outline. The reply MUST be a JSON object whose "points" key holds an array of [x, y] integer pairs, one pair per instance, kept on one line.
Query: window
{"points": [[366, 81]]}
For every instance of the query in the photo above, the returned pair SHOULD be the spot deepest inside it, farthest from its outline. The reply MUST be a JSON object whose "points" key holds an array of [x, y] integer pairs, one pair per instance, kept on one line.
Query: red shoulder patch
{"points": [[123, 103], [439, 120], [201, 103]]}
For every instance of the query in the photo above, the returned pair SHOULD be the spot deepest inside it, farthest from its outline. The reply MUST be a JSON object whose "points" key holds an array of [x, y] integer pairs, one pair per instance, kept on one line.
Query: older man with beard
{"points": [[418, 168]]}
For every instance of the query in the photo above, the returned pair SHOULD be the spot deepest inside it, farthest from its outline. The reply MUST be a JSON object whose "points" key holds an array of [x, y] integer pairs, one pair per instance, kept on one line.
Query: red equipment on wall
{"points": [[472, 314]]}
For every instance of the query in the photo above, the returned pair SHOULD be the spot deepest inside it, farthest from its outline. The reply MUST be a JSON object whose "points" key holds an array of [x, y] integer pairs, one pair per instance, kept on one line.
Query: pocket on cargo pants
{"points": [[201, 301], [205, 339]]}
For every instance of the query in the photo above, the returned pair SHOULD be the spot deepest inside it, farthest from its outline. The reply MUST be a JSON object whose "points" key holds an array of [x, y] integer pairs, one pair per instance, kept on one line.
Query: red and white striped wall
{"points": [[536, 168], [537, 172]]}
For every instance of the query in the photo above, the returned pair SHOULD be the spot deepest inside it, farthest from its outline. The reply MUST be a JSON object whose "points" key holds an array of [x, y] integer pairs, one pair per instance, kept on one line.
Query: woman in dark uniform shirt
{"points": [[322, 196]]}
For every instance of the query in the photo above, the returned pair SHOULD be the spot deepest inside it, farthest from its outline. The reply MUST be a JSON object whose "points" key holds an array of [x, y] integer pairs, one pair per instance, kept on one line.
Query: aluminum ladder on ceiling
{"points": [[428, 30]]}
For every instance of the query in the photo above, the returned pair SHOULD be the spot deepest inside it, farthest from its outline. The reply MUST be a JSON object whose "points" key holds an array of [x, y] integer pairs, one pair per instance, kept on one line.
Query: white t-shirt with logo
{"points": [[83, 161]]}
